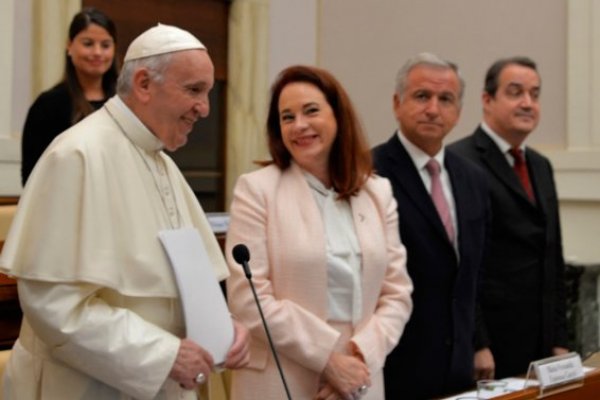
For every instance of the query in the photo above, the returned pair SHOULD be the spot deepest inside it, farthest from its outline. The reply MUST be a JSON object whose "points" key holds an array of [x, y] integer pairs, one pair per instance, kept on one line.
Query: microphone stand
{"points": [[264, 321]]}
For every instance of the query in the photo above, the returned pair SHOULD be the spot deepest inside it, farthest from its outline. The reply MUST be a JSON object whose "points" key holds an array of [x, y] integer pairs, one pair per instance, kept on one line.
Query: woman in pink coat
{"points": [[326, 259]]}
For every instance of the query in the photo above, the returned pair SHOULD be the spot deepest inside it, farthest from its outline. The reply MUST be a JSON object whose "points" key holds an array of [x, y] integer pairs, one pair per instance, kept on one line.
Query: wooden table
{"points": [[589, 391]]}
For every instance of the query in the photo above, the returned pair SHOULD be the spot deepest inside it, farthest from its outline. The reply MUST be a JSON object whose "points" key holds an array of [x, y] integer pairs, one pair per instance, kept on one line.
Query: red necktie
{"points": [[439, 200], [520, 167]]}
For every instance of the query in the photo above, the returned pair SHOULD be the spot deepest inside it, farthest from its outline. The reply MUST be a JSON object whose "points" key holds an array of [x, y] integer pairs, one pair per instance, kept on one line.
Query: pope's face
{"points": [[181, 98]]}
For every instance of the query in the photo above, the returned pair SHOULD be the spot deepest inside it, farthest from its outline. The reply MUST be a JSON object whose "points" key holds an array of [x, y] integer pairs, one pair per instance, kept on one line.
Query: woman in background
{"points": [[327, 262], [89, 80]]}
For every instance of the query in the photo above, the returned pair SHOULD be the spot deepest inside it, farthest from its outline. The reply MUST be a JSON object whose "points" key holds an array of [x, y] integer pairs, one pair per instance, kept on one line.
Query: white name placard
{"points": [[559, 370]]}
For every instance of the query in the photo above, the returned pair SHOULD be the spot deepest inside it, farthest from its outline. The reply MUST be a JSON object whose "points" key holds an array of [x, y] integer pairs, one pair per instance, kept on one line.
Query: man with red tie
{"points": [[523, 292]]}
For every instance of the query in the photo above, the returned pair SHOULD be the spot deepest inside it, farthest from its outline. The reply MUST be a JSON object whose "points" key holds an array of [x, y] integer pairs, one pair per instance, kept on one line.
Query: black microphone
{"points": [[241, 255]]}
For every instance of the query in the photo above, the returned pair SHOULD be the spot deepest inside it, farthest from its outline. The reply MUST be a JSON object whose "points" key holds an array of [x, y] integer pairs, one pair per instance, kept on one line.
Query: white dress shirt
{"points": [[420, 159], [502, 144]]}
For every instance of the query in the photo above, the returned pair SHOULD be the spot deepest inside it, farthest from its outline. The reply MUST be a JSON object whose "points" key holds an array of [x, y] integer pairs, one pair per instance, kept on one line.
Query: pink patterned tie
{"points": [[437, 195]]}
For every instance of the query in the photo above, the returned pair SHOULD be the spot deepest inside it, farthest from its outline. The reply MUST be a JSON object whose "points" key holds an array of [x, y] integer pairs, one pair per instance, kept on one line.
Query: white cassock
{"points": [[102, 317]]}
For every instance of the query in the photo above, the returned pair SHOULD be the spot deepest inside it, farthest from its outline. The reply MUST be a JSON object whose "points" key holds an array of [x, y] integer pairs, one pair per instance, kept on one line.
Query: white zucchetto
{"points": [[161, 39]]}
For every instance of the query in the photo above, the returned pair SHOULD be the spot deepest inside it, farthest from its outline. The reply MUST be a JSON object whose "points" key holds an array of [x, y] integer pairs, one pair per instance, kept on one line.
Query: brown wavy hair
{"points": [[350, 162]]}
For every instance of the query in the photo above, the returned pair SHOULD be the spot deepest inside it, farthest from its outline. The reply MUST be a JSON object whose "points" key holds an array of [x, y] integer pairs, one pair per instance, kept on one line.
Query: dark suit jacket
{"points": [[435, 354], [523, 295]]}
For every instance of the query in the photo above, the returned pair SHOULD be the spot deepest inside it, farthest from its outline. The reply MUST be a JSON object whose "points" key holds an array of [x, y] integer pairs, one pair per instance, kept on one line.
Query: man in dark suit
{"points": [[523, 294], [445, 248]]}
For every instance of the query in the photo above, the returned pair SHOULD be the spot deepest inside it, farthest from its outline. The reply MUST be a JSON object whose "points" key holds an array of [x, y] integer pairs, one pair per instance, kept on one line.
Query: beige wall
{"points": [[364, 43]]}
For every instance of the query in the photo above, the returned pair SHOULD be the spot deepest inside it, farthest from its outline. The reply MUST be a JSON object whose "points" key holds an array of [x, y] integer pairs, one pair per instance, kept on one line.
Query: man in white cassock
{"points": [[102, 314]]}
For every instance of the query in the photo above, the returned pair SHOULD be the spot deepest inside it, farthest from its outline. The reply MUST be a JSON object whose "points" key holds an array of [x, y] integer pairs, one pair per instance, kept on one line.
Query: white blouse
{"points": [[343, 254]]}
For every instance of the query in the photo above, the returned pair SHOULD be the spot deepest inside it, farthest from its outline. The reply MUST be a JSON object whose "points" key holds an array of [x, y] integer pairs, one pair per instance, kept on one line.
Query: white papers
{"points": [[515, 384], [207, 318], [512, 385], [219, 221]]}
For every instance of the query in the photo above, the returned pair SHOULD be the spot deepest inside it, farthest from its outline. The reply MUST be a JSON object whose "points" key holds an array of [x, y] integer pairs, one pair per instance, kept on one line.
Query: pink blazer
{"points": [[275, 215]]}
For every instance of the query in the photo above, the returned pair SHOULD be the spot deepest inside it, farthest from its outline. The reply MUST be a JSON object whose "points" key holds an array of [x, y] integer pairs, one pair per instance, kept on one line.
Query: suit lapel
{"points": [[462, 200], [537, 176], [305, 231], [409, 181], [365, 223], [498, 165]]}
